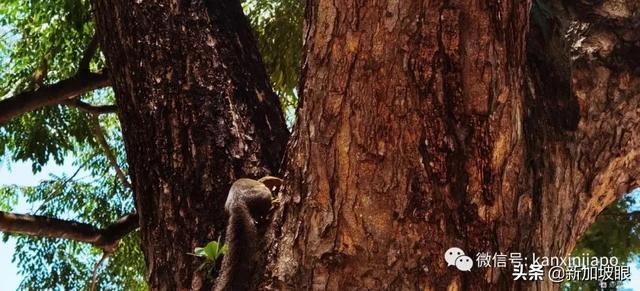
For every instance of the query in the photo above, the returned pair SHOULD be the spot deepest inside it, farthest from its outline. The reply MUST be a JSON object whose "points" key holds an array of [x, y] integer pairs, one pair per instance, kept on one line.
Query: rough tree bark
{"points": [[197, 112], [422, 126]]}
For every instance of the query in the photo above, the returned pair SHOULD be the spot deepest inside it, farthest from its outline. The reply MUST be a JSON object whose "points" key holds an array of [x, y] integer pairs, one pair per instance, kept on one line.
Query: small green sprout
{"points": [[212, 251]]}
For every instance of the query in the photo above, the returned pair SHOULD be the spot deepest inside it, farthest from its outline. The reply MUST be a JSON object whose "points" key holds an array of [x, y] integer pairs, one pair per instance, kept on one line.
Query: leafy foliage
{"points": [[47, 133], [42, 43], [615, 233], [278, 28], [94, 195], [63, 271], [42, 39], [8, 198]]}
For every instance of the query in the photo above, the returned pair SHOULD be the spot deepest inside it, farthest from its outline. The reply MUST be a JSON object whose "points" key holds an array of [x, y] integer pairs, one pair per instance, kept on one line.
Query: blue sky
{"points": [[21, 174]]}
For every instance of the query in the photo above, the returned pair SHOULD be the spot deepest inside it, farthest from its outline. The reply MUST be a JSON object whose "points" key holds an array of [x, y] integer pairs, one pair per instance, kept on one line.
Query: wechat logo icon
{"points": [[456, 257]]}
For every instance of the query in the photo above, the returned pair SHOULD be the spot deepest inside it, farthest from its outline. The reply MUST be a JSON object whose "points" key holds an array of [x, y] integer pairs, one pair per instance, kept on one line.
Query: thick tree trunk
{"points": [[197, 113], [423, 127]]}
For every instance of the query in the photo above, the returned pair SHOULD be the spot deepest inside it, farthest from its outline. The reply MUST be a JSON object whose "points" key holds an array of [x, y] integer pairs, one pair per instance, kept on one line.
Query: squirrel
{"points": [[248, 203]]}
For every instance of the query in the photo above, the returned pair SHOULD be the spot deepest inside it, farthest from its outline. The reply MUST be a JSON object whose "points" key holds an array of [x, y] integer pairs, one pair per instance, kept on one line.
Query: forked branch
{"points": [[94, 109], [62, 92], [51, 94]]}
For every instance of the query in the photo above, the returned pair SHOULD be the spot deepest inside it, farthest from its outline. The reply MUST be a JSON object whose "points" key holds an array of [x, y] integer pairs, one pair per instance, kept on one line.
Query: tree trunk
{"points": [[422, 126], [197, 112]]}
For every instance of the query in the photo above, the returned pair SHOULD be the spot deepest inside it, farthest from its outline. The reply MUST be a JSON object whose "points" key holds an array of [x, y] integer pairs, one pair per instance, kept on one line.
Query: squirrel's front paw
{"points": [[275, 203]]}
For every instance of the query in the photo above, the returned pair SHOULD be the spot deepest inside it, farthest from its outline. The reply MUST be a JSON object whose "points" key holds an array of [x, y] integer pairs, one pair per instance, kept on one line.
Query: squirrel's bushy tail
{"points": [[241, 238]]}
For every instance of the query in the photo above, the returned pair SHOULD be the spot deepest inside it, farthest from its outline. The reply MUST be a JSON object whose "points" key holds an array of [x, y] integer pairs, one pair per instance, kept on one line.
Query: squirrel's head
{"points": [[247, 190]]}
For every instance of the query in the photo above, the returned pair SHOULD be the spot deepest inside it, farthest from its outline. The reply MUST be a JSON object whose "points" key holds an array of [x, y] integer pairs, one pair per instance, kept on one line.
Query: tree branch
{"points": [[95, 270], [36, 225], [88, 54], [86, 107], [102, 140], [51, 94]]}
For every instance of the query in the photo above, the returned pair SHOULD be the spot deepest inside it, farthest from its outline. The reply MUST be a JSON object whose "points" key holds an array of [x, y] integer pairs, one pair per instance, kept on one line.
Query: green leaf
{"points": [[199, 252], [212, 250]]}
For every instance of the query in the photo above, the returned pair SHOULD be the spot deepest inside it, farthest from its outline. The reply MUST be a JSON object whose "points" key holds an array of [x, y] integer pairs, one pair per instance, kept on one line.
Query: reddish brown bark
{"points": [[422, 126]]}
